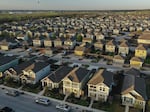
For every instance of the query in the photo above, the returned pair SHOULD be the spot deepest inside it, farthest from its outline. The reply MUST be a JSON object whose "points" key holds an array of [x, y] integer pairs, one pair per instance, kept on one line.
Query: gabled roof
{"points": [[132, 71], [102, 76], [78, 74], [136, 59], [59, 74], [111, 42], [119, 57], [131, 83], [123, 44], [140, 47], [6, 59]]}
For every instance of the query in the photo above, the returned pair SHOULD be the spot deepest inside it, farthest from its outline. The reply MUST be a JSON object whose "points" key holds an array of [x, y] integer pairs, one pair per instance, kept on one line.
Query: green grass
{"points": [[32, 88], [54, 94], [79, 101]]}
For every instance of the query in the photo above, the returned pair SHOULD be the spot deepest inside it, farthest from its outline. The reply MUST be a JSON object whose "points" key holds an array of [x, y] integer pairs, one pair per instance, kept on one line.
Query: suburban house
{"points": [[69, 43], [75, 81], [123, 48], [110, 46], [136, 62], [99, 45], [35, 72], [99, 36], [16, 71], [100, 85], [7, 43], [48, 42], [89, 40], [22, 36], [144, 38], [141, 51], [7, 61], [54, 79], [82, 49], [118, 59], [58, 42], [134, 92], [38, 41]]}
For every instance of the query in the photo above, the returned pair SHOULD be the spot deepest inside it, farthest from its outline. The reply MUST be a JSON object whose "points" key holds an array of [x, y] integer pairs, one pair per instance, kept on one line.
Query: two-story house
{"points": [[110, 46], [58, 42], [134, 92], [38, 41], [123, 48], [136, 62], [35, 72], [7, 61], [48, 42], [100, 85], [141, 51], [54, 79], [75, 81]]}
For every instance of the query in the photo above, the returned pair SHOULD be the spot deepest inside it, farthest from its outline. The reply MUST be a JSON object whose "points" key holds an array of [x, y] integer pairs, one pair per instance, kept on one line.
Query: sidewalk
{"points": [[55, 100]]}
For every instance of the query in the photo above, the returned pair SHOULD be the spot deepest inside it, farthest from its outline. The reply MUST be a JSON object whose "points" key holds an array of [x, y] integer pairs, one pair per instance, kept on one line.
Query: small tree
{"points": [[79, 38]]}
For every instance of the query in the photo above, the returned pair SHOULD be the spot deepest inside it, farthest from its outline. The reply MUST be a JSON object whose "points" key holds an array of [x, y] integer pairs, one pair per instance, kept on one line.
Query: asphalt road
{"points": [[24, 103]]}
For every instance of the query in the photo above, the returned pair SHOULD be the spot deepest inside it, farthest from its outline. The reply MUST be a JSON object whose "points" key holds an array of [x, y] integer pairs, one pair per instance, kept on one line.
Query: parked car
{"points": [[43, 101], [63, 107], [6, 109], [12, 93]]}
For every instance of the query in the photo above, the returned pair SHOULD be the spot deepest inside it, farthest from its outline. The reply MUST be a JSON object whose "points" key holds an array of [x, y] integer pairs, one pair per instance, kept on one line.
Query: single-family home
{"points": [[134, 92], [141, 51], [100, 85]]}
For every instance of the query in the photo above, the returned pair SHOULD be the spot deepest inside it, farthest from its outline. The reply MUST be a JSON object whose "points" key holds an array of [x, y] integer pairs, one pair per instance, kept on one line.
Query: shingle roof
{"points": [[59, 74], [102, 76], [134, 83], [132, 71], [6, 59], [78, 74]]}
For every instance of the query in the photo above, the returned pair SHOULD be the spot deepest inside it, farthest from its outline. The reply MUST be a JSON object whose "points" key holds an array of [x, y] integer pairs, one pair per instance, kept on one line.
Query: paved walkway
{"points": [[41, 92], [126, 108], [91, 103], [66, 97], [55, 100]]}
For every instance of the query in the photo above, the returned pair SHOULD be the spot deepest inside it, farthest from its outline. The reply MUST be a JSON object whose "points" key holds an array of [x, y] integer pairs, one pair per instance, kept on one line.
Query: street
{"points": [[24, 103]]}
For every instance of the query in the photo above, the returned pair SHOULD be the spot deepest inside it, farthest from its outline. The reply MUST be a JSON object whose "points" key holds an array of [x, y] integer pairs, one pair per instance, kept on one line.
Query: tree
{"points": [[79, 38]]}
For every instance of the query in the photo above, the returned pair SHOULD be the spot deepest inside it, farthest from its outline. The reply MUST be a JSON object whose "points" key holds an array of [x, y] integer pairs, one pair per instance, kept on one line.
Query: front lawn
{"points": [[79, 101], [32, 88], [10, 82], [114, 107], [54, 94]]}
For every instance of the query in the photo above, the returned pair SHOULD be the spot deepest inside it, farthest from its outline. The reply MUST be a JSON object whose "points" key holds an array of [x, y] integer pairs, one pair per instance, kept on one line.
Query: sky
{"points": [[74, 4]]}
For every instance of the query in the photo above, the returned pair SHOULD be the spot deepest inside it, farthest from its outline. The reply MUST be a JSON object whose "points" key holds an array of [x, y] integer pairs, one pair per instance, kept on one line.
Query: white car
{"points": [[43, 101], [63, 107]]}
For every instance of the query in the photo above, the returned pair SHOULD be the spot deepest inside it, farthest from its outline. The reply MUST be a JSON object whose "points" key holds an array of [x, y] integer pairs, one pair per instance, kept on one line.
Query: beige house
{"points": [[35, 72], [144, 38], [38, 41], [89, 40], [123, 48], [100, 85], [48, 42], [141, 51], [134, 92], [75, 81], [58, 42], [118, 59], [54, 79], [110, 46], [99, 45], [136, 62]]}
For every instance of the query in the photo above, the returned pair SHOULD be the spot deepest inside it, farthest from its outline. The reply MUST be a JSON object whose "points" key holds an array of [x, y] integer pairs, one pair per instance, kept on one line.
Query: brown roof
{"points": [[111, 42], [79, 48], [140, 47], [136, 59], [102, 76], [123, 44], [145, 36], [118, 57]]}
